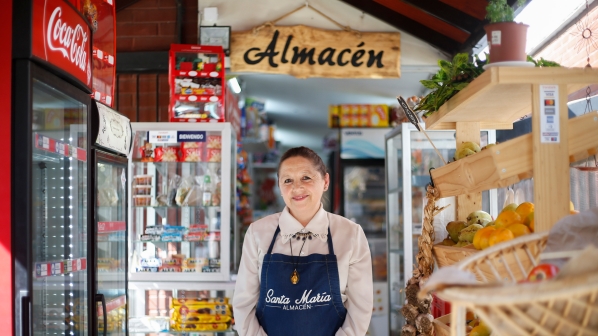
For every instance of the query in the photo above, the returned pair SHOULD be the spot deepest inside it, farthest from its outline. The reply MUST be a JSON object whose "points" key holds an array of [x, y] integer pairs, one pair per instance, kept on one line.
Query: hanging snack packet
{"points": [[183, 190], [207, 189]]}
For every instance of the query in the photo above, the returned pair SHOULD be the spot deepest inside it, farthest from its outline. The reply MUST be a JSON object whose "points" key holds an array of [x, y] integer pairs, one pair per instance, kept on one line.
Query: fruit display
{"points": [[466, 149], [462, 233]]}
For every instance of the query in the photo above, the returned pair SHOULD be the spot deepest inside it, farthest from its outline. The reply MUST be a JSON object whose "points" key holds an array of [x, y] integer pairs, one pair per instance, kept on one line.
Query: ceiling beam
{"points": [[406, 24], [122, 4], [447, 13]]}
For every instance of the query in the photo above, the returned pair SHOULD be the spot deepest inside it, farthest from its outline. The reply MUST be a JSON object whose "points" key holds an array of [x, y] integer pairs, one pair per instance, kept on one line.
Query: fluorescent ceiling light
{"points": [[234, 84]]}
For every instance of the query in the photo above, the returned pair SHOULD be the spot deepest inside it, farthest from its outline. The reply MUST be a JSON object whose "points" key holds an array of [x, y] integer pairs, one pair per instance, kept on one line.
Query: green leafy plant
{"points": [[448, 81], [542, 62], [500, 11]]}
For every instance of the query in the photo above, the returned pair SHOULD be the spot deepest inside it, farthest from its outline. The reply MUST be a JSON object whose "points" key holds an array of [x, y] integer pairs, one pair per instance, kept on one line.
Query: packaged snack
{"points": [[149, 237], [208, 269], [191, 145], [200, 326], [154, 229], [216, 195], [172, 262], [142, 200], [195, 228], [170, 268], [345, 115], [214, 236], [150, 262], [183, 190], [166, 154], [173, 229], [214, 263], [219, 300], [354, 116], [209, 308], [168, 198], [378, 116], [195, 195], [142, 190], [200, 318], [187, 269], [172, 237], [214, 141], [191, 154], [107, 196], [147, 269], [142, 179], [213, 155], [196, 236], [364, 111], [147, 152], [195, 262]]}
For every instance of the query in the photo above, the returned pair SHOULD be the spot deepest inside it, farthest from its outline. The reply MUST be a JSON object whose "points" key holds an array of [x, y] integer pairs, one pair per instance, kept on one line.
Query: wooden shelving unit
{"points": [[494, 100]]}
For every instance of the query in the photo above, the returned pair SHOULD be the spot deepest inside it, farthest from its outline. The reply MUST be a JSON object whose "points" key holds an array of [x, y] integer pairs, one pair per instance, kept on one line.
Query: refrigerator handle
{"points": [[25, 315], [102, 299]]}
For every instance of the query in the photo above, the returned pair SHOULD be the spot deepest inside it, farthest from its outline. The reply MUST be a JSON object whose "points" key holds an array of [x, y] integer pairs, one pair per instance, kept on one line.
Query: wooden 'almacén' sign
{"points": [[304, 52]]}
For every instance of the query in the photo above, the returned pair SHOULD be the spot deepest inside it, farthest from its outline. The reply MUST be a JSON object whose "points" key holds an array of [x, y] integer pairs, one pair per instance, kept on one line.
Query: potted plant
{"points": [[506, 38]]}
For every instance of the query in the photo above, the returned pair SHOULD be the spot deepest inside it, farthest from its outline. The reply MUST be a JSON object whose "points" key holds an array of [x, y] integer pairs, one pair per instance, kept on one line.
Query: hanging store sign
{"points": [[304, 52], [62, 37]]}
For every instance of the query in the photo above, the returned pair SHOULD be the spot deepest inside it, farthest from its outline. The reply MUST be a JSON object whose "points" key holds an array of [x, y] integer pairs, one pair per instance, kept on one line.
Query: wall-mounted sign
{"points": [[62, 37], [304, 52], [114, 130]]}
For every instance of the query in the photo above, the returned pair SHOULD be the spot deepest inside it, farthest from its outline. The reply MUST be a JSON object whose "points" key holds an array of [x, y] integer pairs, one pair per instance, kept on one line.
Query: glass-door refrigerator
{"points": [[409, 157], [359, 177], [112, 134], [52, 182]]}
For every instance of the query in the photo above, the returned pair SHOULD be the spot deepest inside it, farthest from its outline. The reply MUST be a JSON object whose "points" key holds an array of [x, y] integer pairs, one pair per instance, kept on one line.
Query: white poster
{"points": [[363, 143], [549, 114]]}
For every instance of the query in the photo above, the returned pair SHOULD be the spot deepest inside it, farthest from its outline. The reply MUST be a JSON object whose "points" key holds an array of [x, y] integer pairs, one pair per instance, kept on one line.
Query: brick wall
{"points": [[143, 97], [150, 25], [569, 48]]}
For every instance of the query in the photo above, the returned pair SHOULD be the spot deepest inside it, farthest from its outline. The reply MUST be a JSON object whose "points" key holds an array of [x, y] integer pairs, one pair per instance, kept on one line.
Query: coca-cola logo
{"points": [[68, 40]]}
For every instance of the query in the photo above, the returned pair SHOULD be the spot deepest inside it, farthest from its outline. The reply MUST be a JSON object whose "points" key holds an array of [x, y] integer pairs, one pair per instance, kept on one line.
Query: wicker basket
{"points": [[450, 255], [557, 307], [441, 327]]}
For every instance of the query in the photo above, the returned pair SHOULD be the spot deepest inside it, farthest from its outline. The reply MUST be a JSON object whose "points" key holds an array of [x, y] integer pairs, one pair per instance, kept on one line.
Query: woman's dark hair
{"points": [[306, 153]]}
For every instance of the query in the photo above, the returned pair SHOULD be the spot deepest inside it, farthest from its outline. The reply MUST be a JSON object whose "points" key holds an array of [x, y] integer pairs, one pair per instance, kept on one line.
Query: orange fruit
{"points": [[519, 229], [524, 209], [507, 218], [500, 235], [480, 240]]}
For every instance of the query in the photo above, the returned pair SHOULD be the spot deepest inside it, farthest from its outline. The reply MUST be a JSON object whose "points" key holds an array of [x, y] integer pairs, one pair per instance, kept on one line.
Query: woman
{"points": [[303, 271]]}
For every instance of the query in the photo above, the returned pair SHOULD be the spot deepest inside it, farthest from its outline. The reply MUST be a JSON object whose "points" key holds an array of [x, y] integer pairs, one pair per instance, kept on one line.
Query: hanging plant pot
{"points": [[506, 41]]}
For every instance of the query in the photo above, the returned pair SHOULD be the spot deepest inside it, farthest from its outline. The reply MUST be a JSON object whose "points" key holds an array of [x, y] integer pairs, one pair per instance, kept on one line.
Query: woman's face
{"points": [[302, 186]]}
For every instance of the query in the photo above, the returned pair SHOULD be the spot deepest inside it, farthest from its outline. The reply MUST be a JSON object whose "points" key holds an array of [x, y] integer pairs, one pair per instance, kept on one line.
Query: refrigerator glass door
{"points": [[111, 249], [59, 213]]}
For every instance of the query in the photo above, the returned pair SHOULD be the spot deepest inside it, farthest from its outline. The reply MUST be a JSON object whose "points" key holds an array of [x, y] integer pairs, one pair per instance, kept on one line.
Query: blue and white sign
{"points": [[363, 143], [166, 137], [191, 136]]}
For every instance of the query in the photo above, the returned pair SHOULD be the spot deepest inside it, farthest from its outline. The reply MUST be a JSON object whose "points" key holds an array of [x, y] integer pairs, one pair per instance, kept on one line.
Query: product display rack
{"points": [[197, 83], [190, 193], [495, 99], [409, 157]]}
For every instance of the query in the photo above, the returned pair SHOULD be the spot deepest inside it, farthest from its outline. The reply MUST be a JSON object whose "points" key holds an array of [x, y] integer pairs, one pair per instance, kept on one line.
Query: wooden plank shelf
{"points": [[502, 95], [507, 163]]}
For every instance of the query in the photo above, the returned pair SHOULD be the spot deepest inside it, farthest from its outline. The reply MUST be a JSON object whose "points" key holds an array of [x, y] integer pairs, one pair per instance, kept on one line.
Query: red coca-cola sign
{"points": [[62, 37]]}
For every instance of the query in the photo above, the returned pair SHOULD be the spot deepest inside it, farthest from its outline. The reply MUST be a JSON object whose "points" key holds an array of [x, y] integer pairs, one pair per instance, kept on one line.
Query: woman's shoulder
{"points": [[340, 221], [266, 224]]}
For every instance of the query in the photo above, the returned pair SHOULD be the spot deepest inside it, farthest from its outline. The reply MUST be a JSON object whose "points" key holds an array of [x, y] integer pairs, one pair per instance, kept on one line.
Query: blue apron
{"points": [[313, 306]]}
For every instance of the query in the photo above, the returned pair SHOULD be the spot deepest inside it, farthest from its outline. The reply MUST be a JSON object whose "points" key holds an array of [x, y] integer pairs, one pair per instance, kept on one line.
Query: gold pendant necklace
{"points": [[295, 277], [295, 274]]}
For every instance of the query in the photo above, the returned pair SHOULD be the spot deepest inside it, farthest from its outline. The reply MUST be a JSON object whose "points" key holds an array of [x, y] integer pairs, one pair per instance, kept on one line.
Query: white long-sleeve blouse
{"points": [[353, 257]]}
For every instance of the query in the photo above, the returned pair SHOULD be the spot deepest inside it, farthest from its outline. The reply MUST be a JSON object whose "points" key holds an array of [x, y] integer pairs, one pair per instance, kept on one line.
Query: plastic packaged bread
{"points": [[202, 308], [200, 318], [200, 326]]}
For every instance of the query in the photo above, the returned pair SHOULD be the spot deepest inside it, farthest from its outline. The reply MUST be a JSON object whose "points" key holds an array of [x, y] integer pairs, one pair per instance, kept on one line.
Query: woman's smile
{"points": [[299, 198]]}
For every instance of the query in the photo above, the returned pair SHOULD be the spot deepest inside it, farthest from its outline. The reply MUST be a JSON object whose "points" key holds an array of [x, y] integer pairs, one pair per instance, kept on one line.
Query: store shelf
{"points": [[182, 284], [192, 73], [111, 276], [502, 95], [511, 161], [198, 98]]}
